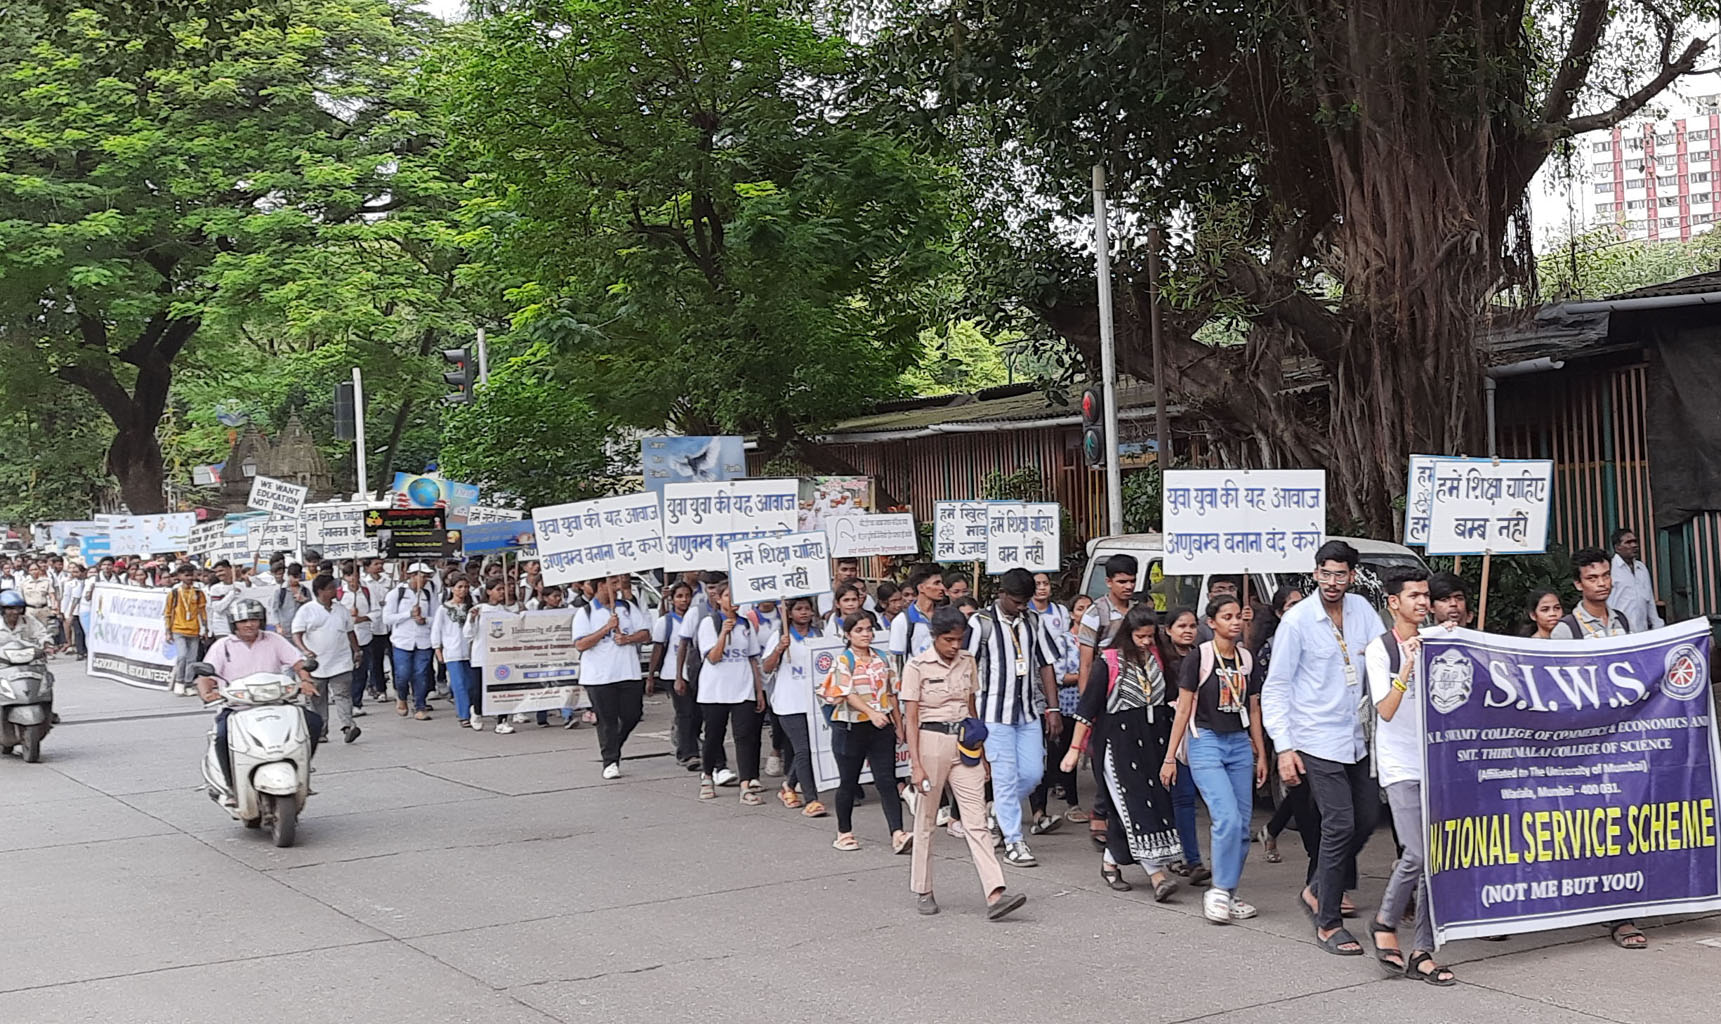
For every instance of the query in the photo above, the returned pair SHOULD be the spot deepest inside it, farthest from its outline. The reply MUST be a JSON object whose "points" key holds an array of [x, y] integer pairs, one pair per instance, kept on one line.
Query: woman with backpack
{"points": [[452, 642], [788, 660], [862, 691], [1220, 708], [1177, 644], [1122, 710]]}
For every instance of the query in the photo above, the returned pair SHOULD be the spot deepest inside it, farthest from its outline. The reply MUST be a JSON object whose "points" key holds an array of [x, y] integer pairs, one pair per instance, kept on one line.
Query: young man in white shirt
{"points": [[323, 629], [607, 634], [1633, 592], [1395, 690], [408, 612], [377, 583], [911, 632]]}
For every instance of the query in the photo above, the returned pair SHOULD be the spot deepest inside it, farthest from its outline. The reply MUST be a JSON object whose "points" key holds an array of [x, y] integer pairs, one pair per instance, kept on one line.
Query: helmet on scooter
{"points": [[246, 610], [11, 599]]}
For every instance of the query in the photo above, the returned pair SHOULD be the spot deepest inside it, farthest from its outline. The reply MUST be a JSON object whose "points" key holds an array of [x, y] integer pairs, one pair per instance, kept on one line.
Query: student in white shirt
{"points": [[690, 666], [911, 632], [408, 611], [847, 571], [356, 599], [666, 663], [731, 689], [451, 638], [607, 633], [1393, 686], [787, 658], [322, 628]]}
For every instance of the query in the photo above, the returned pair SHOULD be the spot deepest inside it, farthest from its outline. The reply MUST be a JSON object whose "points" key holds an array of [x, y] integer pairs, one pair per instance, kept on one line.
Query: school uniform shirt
{"points": [[404, 633], [1095, 631], [377, 589], [607, 661], [764, 622], [357, 601], [1010, 653], [910, 633], [1222, 699], [1590, 627], [326, 632], [1398, 741], [793, 692], [454, 639], [1634, 595], [729, 681], [940, 687], [479, 641], [666, 630]]}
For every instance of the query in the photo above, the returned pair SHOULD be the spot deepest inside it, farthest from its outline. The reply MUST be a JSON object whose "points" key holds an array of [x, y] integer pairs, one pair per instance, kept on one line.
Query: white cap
{"points": [[417, 567]]}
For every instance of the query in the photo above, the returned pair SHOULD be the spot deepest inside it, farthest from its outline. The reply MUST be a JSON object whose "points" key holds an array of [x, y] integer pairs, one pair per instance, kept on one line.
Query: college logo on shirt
{"points": [[1449, 682]]}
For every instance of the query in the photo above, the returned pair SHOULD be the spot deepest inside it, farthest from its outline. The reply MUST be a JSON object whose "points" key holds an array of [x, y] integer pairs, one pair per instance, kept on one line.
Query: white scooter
{"points": [[26, 699], [270, 744]]}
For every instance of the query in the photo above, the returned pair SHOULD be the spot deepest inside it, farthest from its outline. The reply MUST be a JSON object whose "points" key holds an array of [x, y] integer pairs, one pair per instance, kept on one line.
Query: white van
{"points": [[1191, 591]]}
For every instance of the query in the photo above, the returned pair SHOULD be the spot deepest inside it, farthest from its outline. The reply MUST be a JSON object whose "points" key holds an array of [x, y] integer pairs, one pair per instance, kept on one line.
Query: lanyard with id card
{"points": [[1351, 678]]}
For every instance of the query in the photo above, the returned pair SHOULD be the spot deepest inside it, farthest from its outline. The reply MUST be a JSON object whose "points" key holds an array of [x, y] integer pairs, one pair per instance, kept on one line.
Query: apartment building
{"points": [[1659, 180]]}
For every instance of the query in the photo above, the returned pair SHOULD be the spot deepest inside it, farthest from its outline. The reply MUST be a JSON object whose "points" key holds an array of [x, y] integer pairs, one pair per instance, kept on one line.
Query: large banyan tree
{"points": [[1345, 186]]}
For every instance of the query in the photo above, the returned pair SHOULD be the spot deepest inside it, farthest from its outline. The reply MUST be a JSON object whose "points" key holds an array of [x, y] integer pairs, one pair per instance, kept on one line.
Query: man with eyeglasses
{"points": [[1310, 705]]}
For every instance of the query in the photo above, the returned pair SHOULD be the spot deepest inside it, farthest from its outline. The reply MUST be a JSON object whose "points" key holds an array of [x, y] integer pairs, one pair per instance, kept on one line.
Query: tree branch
{"points": [[1289, 306], [1631, 104], [1574, 70]]}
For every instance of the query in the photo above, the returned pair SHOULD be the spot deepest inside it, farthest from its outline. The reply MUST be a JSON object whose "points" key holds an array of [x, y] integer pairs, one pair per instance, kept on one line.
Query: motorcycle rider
{"points": [[249, 650], [18, 627]]}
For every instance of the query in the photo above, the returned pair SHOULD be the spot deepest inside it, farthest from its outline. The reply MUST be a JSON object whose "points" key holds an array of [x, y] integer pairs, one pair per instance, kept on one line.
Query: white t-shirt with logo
{"points": [[1397, 743], [607, 661], [729, 681], [793, 692]]}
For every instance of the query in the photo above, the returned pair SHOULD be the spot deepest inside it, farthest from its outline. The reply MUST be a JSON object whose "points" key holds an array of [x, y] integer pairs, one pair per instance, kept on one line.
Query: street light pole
{"points": [[1108, 357], [359, 434]]}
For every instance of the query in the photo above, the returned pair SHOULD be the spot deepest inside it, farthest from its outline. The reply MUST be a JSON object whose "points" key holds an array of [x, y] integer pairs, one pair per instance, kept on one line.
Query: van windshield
{"points": [[1166, 592]]}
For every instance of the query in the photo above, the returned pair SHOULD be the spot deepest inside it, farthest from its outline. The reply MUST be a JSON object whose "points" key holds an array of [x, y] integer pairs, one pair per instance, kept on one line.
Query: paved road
{"points": [[444, 875]]}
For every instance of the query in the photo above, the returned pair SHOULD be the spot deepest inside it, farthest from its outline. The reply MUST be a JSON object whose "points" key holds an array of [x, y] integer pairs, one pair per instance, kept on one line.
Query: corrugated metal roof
{"points": [[1696, 284]]}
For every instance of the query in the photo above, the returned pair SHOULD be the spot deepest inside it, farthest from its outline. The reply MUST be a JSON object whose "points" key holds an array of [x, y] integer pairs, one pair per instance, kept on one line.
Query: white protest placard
{"points": [[1243, 520], [207, 539], [1021, 535], [888, 533], [336, 529], [583, 540], [1483, 506], [823, 652], [150, 535], [959, 531], [700, 519], [774, 568], [276, 496], [529, 659], [269, 534], [479, 514], [1419, 498]]}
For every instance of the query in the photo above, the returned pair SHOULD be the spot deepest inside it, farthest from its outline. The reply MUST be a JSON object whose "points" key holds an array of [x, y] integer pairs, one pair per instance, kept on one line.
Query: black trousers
{"points": [[864, 744], [1348, 799], [746, 721], [1055, 776], [78, 642], [619, 706]]}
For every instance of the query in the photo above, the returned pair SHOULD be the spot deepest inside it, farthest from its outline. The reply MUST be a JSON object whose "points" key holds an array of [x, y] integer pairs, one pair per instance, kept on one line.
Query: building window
{"points": [[1667, 181], [1667, 201], [1635, 204], [1698, 136], [1603, 187], [1670, 222], [1700, 197], [1602, 147], [1604, 207], [1664, 139], [1697, 176], [1702, 218], [1634, 165], [1708, 104], [1634, 183], [1664, 162], [1634, 144], [1634, 225]]}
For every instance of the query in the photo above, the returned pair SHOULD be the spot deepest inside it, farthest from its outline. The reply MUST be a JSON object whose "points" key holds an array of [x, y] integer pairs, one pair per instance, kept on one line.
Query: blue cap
{"points": [[971, 740]]}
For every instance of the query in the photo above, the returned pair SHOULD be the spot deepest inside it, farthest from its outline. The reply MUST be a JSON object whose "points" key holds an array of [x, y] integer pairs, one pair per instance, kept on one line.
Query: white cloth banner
{"points": [[773, 568], [700, 519], [1243, 520], [150, 535], [890, 533], [584, 540], [959, 530], [824, 652], [1021, 535], [1482, 506], [127, 636], [1419, 498], [336, 529], [277, 496], [529, 660]]}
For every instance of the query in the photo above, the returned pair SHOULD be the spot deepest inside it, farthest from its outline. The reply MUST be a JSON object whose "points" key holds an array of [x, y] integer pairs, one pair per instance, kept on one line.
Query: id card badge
{"points": [[1350, 674]]}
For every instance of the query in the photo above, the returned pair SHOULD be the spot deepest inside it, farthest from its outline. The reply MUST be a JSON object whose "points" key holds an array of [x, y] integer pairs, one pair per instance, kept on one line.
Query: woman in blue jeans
{"points": [[1221, 708], [1178, 645], [451, 638]]}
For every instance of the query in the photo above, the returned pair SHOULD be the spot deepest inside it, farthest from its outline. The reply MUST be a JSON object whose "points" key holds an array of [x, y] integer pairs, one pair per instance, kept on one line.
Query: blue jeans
{"points": [[361, 675], [412, 667], [1183, 809], [464, 682], [1223, 764], [1018, 757]]}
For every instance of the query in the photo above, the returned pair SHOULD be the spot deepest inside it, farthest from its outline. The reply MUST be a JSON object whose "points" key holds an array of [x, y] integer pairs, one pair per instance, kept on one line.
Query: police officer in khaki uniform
{"points": [[937, 694]]}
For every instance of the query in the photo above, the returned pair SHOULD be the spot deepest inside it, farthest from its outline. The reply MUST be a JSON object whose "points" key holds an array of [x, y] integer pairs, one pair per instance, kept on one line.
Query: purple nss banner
{"points": [[1568, 781]]}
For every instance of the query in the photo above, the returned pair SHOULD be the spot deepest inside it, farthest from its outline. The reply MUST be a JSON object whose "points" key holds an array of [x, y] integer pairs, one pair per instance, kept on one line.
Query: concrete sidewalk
{"points": [[444, 875]]}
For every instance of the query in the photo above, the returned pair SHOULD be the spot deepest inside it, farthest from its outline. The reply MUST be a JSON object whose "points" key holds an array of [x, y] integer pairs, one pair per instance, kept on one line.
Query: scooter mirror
{"points": [[202, 668]]}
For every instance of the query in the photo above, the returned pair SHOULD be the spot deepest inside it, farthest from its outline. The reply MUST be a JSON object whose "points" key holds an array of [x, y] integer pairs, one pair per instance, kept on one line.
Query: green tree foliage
{"points": [[526, 437], [1346, 184], [957, 358], [163, 165], [722, 237], [1599, 263]]}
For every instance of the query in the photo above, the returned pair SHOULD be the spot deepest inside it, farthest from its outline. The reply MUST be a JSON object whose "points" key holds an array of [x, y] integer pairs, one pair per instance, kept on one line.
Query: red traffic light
{"points": [[1090, 405]]}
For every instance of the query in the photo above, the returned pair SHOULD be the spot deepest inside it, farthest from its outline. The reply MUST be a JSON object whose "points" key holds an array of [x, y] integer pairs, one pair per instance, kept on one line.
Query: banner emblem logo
{"points": [[1686, 673], [1449, 682]]}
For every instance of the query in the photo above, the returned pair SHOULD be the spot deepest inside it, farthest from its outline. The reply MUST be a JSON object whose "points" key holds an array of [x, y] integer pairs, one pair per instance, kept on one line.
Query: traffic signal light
{"points": [[346, 417], [1094, 427], [460, 378]]}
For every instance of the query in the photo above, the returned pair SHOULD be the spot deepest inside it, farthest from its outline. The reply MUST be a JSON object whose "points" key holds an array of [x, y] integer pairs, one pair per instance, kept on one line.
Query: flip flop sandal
{"points": [[1098, 836], [789, 799], [1077, 815], [751, 798], [1624, 934], [1390, 960], [813, 810], [707, 791], [1163, 889], [903, 845], [1338, 939], [1348, 909], [847, 844], [1440, 976]]}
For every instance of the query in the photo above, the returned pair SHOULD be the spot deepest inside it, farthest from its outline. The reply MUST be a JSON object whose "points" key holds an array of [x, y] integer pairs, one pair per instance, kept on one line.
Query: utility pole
{"points": [[359, 435], [1161, 418], [1108, 357], [483, 359]]}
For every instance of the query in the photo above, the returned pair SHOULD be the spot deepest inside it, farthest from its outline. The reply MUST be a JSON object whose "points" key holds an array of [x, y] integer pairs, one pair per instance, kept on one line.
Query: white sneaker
{"points": [[503, 728], [179, 689], [612, 771], [944, 817], [1216, 906], [477, 724], [726, 777], [912, 798], [522, 719], [774, 766], [956, 829]]}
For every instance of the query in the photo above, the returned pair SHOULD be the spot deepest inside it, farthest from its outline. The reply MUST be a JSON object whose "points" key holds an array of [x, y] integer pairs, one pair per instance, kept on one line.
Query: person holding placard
{"points": [[731, 692], [1178, 638], [788, 659], [666, 664], [607, 633]]}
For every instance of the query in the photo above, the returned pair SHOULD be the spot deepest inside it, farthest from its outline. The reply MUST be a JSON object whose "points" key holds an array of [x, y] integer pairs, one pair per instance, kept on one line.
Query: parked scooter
{"points": [[26, 699], [270, 743]]}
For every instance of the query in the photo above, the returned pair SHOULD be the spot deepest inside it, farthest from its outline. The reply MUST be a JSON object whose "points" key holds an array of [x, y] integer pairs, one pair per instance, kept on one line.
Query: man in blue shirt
{"points": [[1310, 705]]}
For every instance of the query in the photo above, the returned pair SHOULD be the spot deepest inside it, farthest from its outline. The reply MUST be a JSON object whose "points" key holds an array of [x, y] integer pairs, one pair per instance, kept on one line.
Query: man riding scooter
{"points": [[17, 626], [247, 651]]}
